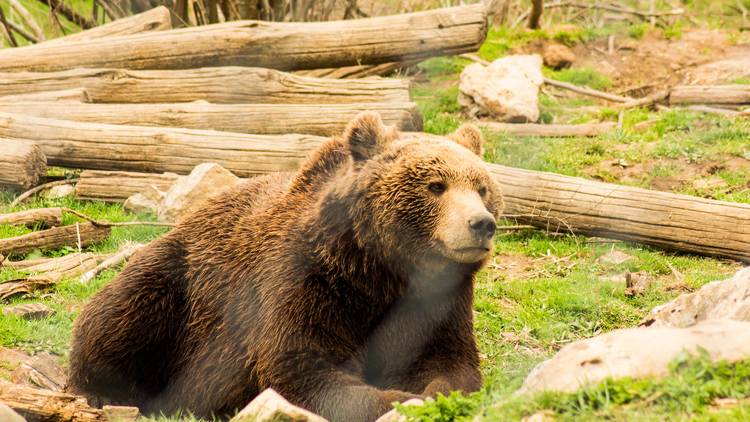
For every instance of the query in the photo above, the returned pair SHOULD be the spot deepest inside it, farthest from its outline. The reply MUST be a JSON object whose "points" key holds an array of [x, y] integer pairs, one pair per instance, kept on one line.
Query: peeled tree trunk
{"points": [[282, 46], [217, 85], [318, 119]]}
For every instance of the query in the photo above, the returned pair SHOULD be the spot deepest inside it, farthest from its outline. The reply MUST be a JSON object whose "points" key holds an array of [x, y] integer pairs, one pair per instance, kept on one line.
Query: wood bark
{"points": [[359, 71], [117, 186], [22, 165], [153, 149], [156, 19], [38, 405], [664, 220], [67, 267], [219, 85], [710, 94], [533, 129], [54, 238], [71, 95], [46, 217], [283, 46], [267, 119]]}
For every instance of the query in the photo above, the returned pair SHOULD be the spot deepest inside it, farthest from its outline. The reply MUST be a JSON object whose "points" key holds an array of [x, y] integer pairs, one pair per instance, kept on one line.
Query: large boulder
{"points": [[269, 406], [637, 352], [725, 299], [507, 90]]}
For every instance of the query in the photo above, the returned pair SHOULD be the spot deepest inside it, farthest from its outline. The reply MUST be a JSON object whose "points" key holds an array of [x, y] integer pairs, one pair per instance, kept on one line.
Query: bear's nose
{"points": [[483, 225]]}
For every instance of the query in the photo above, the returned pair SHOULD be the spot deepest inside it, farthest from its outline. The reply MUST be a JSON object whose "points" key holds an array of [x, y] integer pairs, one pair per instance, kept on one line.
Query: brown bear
{"points": [[345, 286]]}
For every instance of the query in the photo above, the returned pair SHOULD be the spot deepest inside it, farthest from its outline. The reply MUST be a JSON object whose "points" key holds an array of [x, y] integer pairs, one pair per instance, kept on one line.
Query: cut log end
{"points": [[23, 165]]}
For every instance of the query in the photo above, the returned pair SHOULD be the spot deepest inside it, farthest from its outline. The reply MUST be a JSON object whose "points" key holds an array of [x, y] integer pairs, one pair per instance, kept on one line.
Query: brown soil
{"points": [[640, 67], [688, 171]]}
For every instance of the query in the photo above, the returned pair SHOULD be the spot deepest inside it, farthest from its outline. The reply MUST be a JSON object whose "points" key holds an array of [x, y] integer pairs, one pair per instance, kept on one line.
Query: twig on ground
{"points": [[69, 13], [120, 224], [123, 255], [27, 19], [476, 59], [8, 30], [22, 197], [22, 32], [588, 91]]}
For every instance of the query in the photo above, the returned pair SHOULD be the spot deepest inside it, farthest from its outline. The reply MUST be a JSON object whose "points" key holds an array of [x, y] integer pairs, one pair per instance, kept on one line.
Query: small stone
{"points": [[188, 193], [394, 416], [121, 413], [712, 183], [269, 406], [543, 416], [614, 257], [9, 415], [506, 90], [29, 311], [59, 191], [558, 56], [637, 283]]}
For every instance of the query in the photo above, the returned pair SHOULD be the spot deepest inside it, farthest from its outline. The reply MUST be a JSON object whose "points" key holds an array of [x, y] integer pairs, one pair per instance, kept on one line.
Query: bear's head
{"points": [[419, 196]]}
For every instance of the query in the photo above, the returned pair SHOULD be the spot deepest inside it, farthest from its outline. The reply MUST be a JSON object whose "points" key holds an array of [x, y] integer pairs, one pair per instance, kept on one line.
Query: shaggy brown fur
{"points": [[340, 286]]}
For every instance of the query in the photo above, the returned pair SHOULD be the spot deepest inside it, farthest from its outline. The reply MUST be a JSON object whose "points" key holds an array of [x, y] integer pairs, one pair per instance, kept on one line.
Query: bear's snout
{"points": [[483, 225]]}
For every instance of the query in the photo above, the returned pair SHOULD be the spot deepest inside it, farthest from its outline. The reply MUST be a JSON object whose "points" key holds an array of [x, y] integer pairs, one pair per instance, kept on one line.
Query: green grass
{"points": [[687, 393]]}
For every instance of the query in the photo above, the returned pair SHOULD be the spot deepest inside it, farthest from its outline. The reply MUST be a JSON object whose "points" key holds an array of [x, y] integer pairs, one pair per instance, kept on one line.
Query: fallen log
{"points": [[156, 19], [283, 46], [123, 255], [117, 186], [22, 165], [664, 220], [153, 149], [710, 94], [533, 129], [218, 85], [65, 268], [56, 237], [46, 217], [46, 405], [73, 94], [265, 119]]}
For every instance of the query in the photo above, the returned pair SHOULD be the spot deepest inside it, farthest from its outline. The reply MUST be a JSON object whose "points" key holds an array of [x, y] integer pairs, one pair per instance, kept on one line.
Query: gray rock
{"points": [[506, 90], [188, 193], [726, 299], [269, 406], [636, 352]]}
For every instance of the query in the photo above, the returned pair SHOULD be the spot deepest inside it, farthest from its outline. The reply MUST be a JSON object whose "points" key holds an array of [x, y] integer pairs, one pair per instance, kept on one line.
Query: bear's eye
{"points": [[437, 187], [483, 191]]}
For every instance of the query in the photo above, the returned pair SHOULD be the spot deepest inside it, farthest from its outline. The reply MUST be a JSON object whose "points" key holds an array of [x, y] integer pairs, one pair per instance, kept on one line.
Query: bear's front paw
{"points": [[394, 416]]}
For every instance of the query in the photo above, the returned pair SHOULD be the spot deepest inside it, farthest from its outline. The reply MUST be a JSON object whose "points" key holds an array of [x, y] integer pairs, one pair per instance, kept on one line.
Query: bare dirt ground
{"points": [[639, 67]]}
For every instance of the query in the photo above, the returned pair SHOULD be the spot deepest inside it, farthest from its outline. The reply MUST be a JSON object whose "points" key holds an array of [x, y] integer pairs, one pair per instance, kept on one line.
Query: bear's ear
{"points": [[367, 136], [470, 137]]}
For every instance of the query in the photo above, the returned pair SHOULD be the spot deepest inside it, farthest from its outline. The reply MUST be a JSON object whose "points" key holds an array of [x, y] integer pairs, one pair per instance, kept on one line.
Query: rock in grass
{"points": [[187, 193], [724, 299], [558, 56], [637, 352], [269, 406], [29, 311], [506, 90]]}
